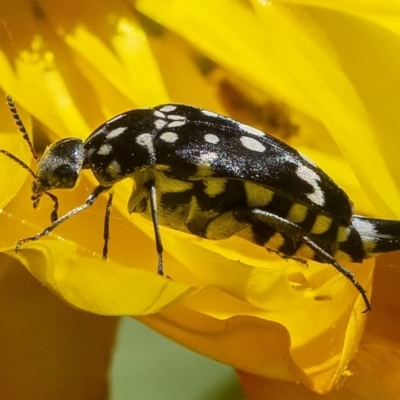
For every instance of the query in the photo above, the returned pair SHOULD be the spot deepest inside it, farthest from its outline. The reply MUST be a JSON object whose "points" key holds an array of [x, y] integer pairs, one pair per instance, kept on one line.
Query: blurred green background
{"points": [[150, 367]]}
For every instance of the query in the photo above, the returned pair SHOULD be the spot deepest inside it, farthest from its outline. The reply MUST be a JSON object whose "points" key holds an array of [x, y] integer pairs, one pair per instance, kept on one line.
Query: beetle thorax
{"points": [[120, 148]]}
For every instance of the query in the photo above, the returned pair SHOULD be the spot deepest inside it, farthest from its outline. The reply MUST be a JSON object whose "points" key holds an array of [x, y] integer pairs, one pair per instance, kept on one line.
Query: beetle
{"points": [[211, 176]]}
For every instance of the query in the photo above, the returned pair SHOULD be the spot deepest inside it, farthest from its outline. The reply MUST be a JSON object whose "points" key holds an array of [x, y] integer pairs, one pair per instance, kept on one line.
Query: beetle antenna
{"points": [[19, 162], [21, 126], [35, 198]]}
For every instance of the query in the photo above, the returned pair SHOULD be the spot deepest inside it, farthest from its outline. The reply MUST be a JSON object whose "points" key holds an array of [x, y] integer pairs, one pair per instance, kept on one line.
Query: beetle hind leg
{"points": [[297, 233], [328, 259]]}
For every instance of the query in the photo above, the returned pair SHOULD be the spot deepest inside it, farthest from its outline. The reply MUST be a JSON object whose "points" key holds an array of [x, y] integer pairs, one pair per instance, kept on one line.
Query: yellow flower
{"points": [[329, 75]]}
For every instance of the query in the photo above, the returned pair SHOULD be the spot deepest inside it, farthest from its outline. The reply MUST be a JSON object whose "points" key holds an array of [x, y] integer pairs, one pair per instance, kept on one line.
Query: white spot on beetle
{"points": [[369, 234], [116, 132], [159, 114], [91, 151], [176, 117], [210, 138], [252, 144], [105, 149], [311, 177], [207, 158], [146, 140], [175, 124], [365, 228], [160, 123], [250, 129], [169, 137], [168, 108]]}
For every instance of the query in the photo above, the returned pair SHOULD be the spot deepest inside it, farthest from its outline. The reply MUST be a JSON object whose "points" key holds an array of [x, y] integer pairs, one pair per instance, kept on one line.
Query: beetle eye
{"points": [[65, 176]]}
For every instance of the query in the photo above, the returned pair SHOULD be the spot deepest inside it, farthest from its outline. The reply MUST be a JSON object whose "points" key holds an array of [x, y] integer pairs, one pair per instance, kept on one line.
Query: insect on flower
{"points": [[210, 176]]}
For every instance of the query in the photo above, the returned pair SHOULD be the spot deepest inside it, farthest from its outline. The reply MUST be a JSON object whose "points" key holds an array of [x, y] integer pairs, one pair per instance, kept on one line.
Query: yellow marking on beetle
{"points": [[114, 169], [224, 226], [275, 242], [162, 167], [305, 252], [321, 225], [204, 171], [170, 185], [297, 213], [342, 234], [256, 195], [341, 256], [369, 246], [214, 187], [197, 218]]}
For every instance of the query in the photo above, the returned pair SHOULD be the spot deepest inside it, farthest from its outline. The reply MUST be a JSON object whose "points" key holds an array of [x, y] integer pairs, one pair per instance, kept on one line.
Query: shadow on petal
{"points": [[48, 349]]}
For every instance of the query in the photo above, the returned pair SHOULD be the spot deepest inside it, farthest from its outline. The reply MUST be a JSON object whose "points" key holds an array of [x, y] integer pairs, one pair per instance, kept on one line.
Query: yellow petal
{"points": [[89, 283], [318, 356], [95, 285], [120, 69], [47, 98], [386, 12], [373, 373], [250, 304], [245, 51], [345, 96]]}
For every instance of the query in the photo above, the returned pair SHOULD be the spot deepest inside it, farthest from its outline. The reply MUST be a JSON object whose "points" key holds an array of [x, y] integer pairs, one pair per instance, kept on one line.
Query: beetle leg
{"points": [[327, 258], [156, 226], [106, 231], [296, 232], [89, 202]]}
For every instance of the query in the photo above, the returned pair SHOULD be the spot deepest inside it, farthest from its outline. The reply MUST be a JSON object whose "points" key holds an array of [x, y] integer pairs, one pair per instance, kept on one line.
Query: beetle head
{"points": [[59, 166]]}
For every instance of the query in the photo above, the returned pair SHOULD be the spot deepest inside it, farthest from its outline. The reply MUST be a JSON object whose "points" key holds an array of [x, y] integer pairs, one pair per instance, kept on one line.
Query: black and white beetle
{"points": [[205, 174]]}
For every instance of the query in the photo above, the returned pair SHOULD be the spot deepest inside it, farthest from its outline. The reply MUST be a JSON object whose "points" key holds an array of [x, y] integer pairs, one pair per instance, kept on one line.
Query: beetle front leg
{"points": [[88, 203]]}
